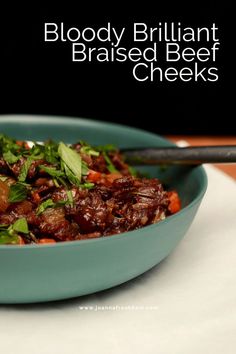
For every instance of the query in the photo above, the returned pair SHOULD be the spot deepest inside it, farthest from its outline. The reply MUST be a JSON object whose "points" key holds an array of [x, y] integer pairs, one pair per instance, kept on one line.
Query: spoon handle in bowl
{"points": [[193, 155]]}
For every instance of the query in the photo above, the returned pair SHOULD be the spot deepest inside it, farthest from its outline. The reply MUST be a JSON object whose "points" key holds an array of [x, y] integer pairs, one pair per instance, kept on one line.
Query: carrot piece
{"points": [[19, 142], [94, 176], [36, 197], [23, 144], [175, 203], [4, 194], [46, 240], [112, 176], [21, 240]]}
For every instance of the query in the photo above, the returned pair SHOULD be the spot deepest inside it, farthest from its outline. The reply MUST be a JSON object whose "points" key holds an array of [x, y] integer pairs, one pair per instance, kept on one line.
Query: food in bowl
{"points": [[34, 273], [53, 192]]}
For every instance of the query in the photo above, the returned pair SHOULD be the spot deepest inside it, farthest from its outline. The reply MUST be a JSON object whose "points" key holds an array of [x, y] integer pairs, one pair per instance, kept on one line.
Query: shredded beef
{"points": [[113, 203]]}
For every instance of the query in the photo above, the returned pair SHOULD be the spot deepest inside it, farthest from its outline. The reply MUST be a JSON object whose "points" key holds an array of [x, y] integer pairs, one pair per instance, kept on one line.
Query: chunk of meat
{"points": [[92, 214], [4, 193], [53, 223], [16, 211]]}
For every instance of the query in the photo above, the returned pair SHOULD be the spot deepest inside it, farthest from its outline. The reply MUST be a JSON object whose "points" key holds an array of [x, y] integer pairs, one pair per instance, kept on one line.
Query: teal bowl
{"points": [[36, 273]]}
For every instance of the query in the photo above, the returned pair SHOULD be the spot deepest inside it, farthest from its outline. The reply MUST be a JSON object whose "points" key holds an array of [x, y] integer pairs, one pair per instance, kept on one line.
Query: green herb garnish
{"points": [[50, 204], [66, 165], [47, 204], [18, 193], [111, 168], [73, 179], [6, 238], [51, 152], [25, 169], [10, 157], [9, 235], [52, 171], [71, 159], [21, 225], [8, 144], [87, 149], [70, 198]]}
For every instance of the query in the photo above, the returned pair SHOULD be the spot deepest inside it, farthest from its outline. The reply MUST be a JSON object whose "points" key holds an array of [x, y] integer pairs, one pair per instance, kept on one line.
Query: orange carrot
{"points": [[21, 241], [175, 203], [36, 197], [94, 176], [23, 144], [46, 240], [112, 176]]}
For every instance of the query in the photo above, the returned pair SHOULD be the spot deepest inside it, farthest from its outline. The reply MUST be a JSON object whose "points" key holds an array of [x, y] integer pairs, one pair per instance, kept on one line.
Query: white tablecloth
{"points": [[185, 305]]}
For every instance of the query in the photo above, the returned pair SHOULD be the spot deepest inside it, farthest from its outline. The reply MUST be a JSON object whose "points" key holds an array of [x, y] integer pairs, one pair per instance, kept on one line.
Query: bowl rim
{"points": [[35, 119]]}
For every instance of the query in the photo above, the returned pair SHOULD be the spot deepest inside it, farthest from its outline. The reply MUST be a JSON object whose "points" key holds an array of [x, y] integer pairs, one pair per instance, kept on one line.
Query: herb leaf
{"points": [[111, 168], [6, 238], [52, 171], [71, 158], [71, 177], [87, 149], [50, 152], [10, 157], [18, 193], [24, 169], [70, 198], [47, 204], [84, 169], [21, 225]]}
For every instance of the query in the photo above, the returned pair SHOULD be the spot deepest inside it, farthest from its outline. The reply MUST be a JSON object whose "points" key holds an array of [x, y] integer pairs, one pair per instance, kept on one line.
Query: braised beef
{"points": [[104, 203]]}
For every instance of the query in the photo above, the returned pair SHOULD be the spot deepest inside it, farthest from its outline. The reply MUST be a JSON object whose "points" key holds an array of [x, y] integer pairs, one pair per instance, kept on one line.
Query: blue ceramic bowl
{"points": [[34, 273]]}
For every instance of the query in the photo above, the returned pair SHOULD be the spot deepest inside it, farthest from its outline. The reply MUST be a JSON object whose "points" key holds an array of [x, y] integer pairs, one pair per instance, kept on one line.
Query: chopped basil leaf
{"points": [[21, 225], [56, 183], [10, 157], [71, 177], [47, 204], [85, 169], [87, 185], [87, 149], [70, 198], [3, 226], [50, 152], [6, 238], [18, 193], [50, 204], [24, 169], [8, 144], [36, 149], [9, 234], [52, 171], [111, 168], [71, 158]]}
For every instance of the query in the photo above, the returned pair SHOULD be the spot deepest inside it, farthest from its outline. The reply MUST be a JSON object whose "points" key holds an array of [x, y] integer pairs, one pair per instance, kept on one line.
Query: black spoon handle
{"points": [[193, 155]]}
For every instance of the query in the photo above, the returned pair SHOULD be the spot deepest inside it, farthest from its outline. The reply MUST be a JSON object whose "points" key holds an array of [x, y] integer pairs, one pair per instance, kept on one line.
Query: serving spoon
{"points": [[193, 155]]}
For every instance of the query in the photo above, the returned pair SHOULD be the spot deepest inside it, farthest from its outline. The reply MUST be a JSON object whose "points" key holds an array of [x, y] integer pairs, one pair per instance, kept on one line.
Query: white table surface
{"points": [[185, 305]]}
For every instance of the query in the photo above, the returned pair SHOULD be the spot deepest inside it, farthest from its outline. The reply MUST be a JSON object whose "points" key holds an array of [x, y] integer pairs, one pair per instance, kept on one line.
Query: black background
{"points": [[40, 78]]}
